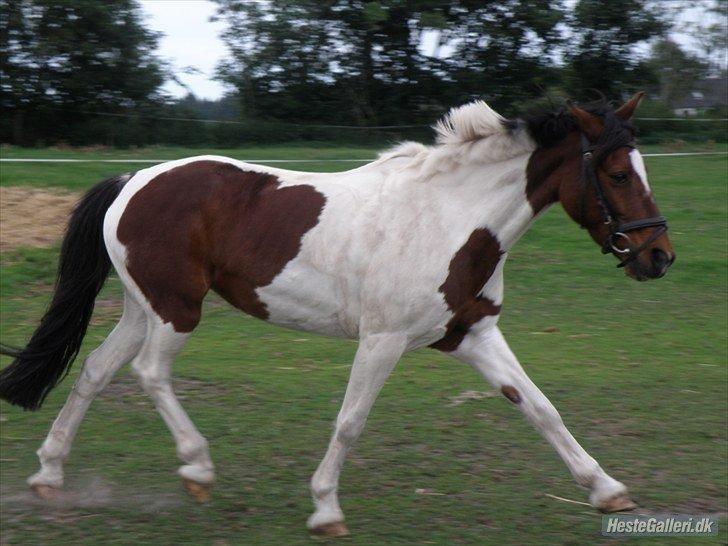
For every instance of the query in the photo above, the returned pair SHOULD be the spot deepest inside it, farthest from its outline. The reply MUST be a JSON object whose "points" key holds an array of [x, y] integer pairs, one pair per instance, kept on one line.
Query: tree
{"points": [[320, 60], [710, 31], [504, 49], [61, 60], [677, 70], [355, 61], [605, 38]]}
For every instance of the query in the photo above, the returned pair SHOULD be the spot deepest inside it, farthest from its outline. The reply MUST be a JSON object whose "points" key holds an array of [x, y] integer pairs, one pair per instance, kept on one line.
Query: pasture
{"points": [[637, 370]]}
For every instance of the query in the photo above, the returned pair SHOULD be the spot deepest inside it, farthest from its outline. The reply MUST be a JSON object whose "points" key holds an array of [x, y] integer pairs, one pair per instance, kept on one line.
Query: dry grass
{"points": [[32, 216]]}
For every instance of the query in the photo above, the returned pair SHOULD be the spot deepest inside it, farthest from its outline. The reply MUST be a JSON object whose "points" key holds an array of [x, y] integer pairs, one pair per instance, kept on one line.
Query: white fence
{"points": [[83, 160]]}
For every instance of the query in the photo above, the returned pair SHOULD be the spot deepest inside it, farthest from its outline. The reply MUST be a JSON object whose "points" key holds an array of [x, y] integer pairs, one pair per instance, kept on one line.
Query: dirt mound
{"points": [[33, 216]]}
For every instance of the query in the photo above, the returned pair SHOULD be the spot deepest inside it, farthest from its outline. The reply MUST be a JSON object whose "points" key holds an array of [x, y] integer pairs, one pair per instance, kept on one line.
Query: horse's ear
{"points": [[626, 111], [589, 124]]}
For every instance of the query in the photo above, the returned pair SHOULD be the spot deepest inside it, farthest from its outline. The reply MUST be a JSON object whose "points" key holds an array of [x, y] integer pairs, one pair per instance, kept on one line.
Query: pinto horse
{"points": [[404, 252]]}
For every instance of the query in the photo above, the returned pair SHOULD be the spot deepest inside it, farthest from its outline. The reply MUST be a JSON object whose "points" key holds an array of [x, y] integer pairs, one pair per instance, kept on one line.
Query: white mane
{"points": [[470, 134], [469, 122], [403, 149]]}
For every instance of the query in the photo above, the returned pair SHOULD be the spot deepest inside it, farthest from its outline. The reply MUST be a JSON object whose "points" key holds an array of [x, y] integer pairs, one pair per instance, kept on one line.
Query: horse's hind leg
{"points": [[119, 348], [152, 365]]}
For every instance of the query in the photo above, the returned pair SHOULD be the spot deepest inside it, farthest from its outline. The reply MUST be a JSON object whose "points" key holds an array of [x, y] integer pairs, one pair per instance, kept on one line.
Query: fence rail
{"points": [[365, 160], [327, 126]]}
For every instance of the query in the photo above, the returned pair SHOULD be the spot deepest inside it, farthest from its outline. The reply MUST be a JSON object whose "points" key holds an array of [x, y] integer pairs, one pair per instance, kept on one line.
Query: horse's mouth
{"points": [[641, 273]]}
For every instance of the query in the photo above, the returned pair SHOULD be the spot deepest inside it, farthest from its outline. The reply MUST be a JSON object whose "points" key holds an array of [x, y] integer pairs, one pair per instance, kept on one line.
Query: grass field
{"points": [[638, 371]]}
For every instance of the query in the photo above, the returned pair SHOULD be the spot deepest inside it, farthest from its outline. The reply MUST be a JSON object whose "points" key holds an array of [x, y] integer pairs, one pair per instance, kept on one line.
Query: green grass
{"points": [[638, 371]]}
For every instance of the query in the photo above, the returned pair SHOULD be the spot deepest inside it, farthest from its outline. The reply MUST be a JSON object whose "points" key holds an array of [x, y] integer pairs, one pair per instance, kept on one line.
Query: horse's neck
{"points": [[491, 196], [548, 168]]}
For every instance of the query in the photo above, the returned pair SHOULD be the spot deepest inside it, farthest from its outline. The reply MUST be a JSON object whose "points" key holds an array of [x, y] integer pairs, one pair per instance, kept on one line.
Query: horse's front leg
{"points": [[488, 352], [375, 358]]}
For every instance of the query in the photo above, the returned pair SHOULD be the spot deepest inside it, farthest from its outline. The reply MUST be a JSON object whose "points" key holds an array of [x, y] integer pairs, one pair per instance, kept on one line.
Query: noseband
{"points": [[617, 231]]}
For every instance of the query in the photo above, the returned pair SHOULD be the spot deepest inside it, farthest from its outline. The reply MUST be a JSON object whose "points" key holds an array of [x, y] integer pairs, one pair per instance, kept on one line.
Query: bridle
{"points": [[617, 231]]}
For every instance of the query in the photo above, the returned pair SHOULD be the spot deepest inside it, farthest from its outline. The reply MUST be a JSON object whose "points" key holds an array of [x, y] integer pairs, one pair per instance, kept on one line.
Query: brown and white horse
{"points": [[405, 252]]}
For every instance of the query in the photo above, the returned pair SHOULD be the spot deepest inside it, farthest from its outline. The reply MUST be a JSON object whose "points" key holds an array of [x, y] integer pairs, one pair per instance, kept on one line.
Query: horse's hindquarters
{"points": [[189, 227]]}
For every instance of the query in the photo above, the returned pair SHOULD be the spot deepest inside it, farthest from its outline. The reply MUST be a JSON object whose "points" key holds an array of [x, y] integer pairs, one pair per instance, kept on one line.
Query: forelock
{"points": [[616, 133]]}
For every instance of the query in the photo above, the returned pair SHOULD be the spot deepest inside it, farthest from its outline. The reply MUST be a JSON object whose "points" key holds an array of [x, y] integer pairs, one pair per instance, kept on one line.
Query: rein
{"points": [[617, 231]]}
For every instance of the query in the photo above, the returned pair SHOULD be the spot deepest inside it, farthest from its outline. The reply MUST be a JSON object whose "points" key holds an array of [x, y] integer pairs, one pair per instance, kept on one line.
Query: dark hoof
{"points": [[46, 492], [199, 491], [619, 503], [330, 530]]}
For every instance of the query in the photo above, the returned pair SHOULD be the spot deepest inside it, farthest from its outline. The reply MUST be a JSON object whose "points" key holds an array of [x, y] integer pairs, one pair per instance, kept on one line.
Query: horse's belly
{"points": [[304, 299]]}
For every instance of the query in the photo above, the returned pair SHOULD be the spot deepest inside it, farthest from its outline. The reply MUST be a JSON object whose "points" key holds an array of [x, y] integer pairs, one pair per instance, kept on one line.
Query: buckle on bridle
{"points": [[658, 223], [613, 240]]}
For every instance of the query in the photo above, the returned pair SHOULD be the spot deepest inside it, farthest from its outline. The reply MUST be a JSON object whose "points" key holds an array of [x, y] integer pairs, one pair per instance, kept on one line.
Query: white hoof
{"points": [[620, 503], [323, 518], [611, 496], [47, 478], [196, 473]]}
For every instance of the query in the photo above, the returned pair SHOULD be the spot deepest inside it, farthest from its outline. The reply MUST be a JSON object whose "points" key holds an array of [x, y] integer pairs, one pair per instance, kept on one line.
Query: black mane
{"points": [[548, 128]]}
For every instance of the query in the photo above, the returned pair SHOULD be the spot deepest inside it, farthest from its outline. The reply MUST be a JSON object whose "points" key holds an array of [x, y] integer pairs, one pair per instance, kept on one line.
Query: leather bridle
{"points": [[617, 231]]}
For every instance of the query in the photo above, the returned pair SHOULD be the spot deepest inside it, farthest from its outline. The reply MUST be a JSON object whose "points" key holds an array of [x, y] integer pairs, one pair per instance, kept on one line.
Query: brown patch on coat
{"points": [[470, 268], [511, 393], [210, 224]]}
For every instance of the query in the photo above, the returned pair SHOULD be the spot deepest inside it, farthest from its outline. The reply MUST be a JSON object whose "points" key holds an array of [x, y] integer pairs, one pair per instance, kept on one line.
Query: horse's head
{"points": [[610, 196]]}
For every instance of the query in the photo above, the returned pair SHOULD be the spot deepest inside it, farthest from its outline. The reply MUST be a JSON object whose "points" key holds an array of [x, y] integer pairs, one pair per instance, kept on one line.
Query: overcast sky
{"points": [[190, 39]]}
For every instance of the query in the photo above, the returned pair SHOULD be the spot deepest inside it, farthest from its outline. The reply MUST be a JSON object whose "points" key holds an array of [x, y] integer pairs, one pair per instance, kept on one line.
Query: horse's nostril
{"points": [[660, 259]]}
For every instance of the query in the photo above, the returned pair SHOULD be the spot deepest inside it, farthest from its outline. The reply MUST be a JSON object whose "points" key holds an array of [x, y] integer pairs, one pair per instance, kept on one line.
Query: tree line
{"points": [[85, 72]]}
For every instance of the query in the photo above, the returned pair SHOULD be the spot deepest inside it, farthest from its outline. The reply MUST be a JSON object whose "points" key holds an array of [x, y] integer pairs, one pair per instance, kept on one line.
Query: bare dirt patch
{"points": [[126, 389], [89, 492], [33, 217]]}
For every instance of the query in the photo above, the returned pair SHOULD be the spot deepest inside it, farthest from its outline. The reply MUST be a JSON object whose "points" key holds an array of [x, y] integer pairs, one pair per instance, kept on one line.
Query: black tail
{"points": [[82, 270]]}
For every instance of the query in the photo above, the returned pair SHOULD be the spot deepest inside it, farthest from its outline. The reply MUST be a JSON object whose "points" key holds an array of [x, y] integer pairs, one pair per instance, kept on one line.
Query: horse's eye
{"points": [[620, 178]]}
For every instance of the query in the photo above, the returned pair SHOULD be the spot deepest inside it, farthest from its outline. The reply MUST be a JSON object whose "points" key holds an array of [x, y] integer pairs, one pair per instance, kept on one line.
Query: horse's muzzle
{"points": [[659, 262]]}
